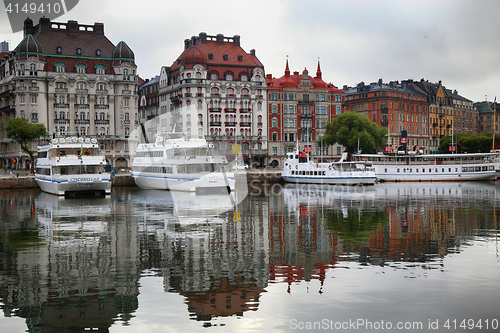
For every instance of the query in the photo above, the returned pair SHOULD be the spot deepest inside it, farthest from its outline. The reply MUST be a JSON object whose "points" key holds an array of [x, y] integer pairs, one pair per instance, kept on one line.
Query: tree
{"points": [[348, 127], [471, 143], [21, 131]]}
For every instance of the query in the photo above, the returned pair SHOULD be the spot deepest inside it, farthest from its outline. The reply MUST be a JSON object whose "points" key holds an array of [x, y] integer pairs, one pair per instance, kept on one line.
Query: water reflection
{"points": [[79, 270], [213, 256], [70, 265]]}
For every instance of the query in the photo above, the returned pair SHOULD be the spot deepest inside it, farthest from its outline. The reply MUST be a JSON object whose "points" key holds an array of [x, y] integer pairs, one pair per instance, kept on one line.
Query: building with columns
{"points": [[220, 93], [74, 80]]}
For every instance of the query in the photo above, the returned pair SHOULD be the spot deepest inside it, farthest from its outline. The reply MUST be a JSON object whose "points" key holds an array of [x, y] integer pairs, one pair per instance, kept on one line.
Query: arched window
{"points": [[214, 76], [259, 106], [127, 116], [82, 130], [244, 77], [230, 91], [102, 131], [62, 115], [200, 119], [200, 105], [259, 120], [188, 105], [200, 133], [101, 86], [214, 91], [244, 92], [229, 76]]}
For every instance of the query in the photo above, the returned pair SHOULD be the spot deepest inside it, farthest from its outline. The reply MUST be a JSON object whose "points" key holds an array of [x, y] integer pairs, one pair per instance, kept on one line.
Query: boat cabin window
{"points": [[42, 154], [62, 153]]}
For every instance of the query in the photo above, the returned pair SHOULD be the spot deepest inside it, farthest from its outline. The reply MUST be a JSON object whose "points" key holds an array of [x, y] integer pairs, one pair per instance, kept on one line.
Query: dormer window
{"points": [[59, 50], [80, 68], [229, 77], [79, 51], [98, 52], [225, 57], [210, 56], [240, 58]]}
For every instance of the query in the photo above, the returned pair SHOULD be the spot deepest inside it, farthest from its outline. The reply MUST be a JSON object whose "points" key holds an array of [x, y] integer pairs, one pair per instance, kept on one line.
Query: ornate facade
{"points": [[220, 91], [71, 78], [299, 107]]}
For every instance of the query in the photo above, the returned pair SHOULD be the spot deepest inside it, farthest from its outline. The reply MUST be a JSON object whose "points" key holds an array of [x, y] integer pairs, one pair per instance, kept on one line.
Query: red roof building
{"points": [[219, 91], [299, 107]]}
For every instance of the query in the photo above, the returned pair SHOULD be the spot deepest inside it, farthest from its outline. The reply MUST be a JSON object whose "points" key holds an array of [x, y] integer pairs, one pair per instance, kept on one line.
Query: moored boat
{"points": [[413, 166], [298, 168], [72, 166], [191, 165]]}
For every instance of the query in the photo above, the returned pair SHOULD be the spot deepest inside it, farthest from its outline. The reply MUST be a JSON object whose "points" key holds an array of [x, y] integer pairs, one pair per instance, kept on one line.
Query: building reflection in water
{"points": [[208, 248], [67, 265], [319, 227], [71, 265]]}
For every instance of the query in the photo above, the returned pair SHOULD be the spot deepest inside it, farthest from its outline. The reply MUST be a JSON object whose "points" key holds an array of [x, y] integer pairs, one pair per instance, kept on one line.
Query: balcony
{"points": [[306, 115], [7, 93], [214, 109], [82, 91], [230, 123], [61, 121], [8, 108], [230, 110], [61, 106], [101, 106], [187, 95], [33, 88], [81, 106], [101, 92], [61, 90], [246, 124], [101, 121], [215, 123], [126, 92], [82, 121]]}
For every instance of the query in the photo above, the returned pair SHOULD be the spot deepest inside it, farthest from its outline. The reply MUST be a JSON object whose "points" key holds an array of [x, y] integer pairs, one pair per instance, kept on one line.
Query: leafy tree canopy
{"points": [[348, 127], [470, 143], [21, 131]]}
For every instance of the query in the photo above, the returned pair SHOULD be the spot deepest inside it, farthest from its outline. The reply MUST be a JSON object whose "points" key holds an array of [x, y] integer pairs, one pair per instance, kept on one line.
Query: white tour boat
{"points": [[413, 166], [299, 169], [191, 165], [72, 166]]}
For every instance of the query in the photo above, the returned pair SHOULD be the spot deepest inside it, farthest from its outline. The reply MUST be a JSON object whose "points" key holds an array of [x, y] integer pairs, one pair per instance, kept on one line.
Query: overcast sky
{"points": [[455, 41]]}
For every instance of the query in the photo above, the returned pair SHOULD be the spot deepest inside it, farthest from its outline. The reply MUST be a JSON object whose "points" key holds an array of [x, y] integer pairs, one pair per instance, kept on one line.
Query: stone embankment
{"points": [[23, 179]]}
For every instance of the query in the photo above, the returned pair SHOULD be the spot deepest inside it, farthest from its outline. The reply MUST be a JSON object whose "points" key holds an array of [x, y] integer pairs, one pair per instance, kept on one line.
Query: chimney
{"points": [[193, 40], [99, 29], [44, 24], [252, 52], [186, 43], [72, 27], [203, 37], [220, 39], [236, 40], [28, 27]]}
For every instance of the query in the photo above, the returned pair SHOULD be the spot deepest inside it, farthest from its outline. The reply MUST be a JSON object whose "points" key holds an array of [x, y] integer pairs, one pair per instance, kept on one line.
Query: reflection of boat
{"points": [[66, 218], [299, 169], [70, 166], [432, 167], [190, 165]]}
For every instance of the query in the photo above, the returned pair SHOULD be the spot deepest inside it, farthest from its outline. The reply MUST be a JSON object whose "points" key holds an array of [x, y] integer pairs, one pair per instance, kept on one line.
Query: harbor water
{"points": [[400, 257]]}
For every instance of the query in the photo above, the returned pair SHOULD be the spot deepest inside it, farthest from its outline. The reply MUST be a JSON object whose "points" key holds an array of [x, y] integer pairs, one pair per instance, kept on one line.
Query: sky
{"points": [[453, 41]]}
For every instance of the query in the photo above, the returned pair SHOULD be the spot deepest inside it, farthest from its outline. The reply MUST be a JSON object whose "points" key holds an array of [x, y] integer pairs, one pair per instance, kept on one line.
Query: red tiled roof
{"points": [[221, 58]]}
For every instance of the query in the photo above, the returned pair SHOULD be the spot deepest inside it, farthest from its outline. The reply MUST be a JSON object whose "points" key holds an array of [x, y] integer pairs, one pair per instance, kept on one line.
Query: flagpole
{"points": [[494, 123]]}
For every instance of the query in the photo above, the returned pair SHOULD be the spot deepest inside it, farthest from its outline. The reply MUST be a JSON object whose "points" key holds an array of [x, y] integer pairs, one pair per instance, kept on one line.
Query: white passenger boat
{"points": [[413, 166], [72, 166], [299, 169], [191, 165]]}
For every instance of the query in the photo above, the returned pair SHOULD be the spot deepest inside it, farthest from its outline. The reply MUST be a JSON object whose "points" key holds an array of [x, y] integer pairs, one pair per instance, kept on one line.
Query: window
{"points": [[23, 115], [126, 101], [275, 150], [274, 122], [229, 77], [244, 77], [200, 105], [80, 68], [275, 109], [81, 85], [275, 137], [33, 99], [101, 86], [214, 75], [100, 69]]}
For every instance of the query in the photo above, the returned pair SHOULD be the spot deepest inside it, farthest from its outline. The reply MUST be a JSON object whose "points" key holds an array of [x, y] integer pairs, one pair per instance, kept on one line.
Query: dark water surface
{"points": [[391, 257]]}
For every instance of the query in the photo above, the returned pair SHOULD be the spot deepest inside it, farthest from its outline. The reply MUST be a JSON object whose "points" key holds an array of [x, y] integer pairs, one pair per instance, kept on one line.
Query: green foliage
{"points": [[21, 131], [470, 143], [347, 127], [356, 225]]}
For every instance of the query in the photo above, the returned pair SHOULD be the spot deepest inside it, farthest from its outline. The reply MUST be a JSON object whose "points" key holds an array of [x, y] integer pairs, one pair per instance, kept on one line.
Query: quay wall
{"points": [[28, 181]]}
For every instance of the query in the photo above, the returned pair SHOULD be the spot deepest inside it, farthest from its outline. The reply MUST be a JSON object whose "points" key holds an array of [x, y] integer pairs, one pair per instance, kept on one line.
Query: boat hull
{"points": [[63, 186], [185, 183], [346, 180]]}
